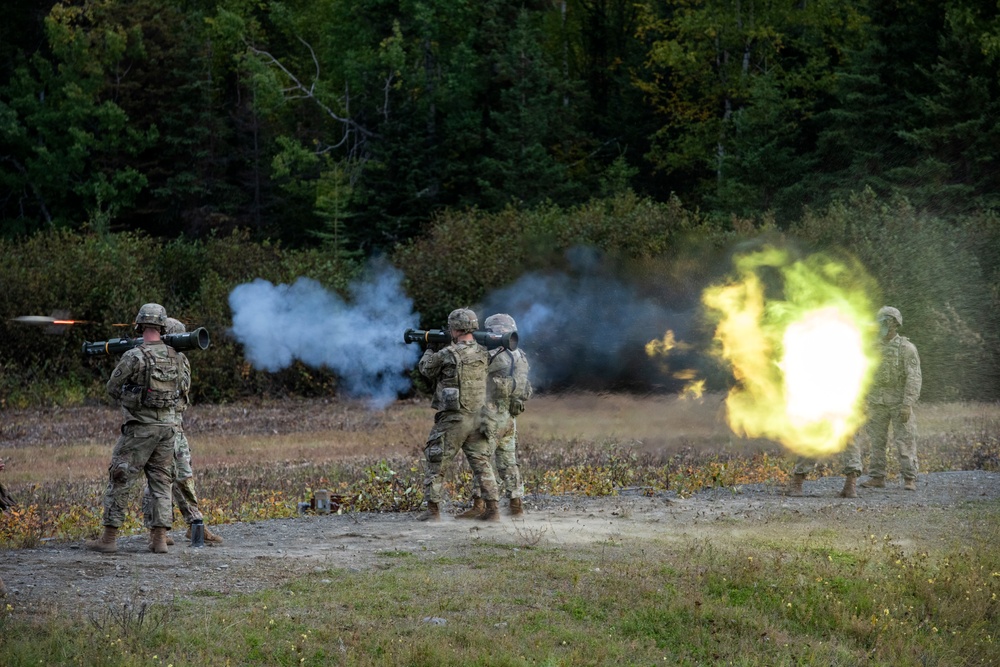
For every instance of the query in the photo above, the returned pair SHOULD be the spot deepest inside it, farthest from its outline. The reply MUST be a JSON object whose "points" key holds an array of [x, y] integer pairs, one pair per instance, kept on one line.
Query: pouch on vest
{"points": [[162, 379]]}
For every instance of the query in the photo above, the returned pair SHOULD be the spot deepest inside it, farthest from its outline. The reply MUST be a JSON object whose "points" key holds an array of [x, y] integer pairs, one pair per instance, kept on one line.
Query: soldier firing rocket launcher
{"points": [[487, 339], [191, 340]]}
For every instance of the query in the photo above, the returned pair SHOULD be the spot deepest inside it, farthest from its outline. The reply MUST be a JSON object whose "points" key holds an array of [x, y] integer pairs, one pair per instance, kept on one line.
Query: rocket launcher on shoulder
{"points": [[182, 342], [487, 339]]}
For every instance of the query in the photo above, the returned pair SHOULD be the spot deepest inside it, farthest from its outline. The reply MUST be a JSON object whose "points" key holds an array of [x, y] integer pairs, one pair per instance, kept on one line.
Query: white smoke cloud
{"points": [[361, 340]]}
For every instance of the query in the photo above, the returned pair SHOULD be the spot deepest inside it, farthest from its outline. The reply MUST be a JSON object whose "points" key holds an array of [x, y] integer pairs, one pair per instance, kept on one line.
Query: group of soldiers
{"points": [[152, 383], [890, 402], [478, 394]]}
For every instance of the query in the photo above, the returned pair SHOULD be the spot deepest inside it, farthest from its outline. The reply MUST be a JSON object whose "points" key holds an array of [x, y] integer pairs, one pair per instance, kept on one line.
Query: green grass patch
{"points": [[693, 601]]}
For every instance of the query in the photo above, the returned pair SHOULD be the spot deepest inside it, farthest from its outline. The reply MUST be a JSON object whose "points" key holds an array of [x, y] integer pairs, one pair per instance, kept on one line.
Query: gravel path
{"points": [[66, 579]]}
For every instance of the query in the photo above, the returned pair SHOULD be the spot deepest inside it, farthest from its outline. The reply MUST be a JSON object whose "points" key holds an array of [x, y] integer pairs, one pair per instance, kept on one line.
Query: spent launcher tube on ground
{"points": [[487, 339], [191, 340]]}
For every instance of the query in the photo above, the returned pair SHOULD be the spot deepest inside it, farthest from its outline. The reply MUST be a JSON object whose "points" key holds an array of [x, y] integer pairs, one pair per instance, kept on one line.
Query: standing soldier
{"points": [[890, 402], [148, 381], [182, 476], [507, 389], [459, 373], [6, 501]]}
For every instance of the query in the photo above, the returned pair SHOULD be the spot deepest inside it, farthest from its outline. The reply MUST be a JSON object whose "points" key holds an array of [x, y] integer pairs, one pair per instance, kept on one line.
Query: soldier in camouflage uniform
{"points": [[5, 502], [459, 373], [148, 381], [507, 389], [890, 403], [182, 476]]}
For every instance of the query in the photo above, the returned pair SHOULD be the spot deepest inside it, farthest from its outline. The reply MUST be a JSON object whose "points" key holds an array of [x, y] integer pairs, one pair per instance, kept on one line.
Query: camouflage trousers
{"points": [[904, 437], [500, 428], [181, 487], [455, 431], [850, 460], [142, 448]]}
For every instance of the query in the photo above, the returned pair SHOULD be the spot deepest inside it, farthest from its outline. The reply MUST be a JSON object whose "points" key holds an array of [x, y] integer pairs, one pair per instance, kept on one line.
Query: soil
{"points": [[65, 578]]}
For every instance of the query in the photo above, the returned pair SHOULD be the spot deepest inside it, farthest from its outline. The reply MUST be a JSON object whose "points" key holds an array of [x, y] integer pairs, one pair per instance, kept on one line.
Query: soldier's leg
{"points": [[478, 450], [877, 430], [158, 469], [904, 436], [508, 471], [128, 459], [440, 449], [182, 490], [850, 459]]}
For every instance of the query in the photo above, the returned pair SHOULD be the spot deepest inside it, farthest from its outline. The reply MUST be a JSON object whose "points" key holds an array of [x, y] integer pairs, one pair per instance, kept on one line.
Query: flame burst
{"points": [[662, 348], [804, 358]]}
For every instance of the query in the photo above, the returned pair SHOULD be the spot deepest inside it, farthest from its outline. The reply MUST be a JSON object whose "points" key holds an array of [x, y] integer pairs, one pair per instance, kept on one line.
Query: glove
{"points": [[904, 413]]}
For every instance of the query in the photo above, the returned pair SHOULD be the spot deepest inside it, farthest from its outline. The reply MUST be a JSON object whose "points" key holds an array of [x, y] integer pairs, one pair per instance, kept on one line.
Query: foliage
{"points": [[103, 280], [361, 120]]}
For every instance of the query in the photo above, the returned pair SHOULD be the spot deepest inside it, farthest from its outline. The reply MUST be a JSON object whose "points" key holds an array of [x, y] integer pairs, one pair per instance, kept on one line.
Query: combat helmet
{"points": [[151, 314], [174, 326], [463, 319], [500, 323], [886, 312]]}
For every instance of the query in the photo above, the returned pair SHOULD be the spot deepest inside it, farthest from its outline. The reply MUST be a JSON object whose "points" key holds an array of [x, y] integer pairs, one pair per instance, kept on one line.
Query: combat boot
{"points": [[873, 483], [492, 512], [106, 543], [474, 512], [158, 540], [910, 485], [432, 513], [516, 509], [211, 539], [848, 491], [794, 487], [170, 541]]}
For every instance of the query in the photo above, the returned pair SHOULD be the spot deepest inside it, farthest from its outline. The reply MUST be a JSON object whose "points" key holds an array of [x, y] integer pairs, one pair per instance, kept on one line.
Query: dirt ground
{"points": [[65, 578]]}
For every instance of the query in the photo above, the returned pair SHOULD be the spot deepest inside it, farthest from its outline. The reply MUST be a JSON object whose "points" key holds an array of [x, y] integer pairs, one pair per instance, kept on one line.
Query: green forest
{"points": [[171, 150]]}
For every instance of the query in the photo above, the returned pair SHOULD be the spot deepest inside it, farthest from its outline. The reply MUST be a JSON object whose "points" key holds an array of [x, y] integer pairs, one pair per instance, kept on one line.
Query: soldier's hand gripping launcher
{"points": [[487, 339], [191, 340]]}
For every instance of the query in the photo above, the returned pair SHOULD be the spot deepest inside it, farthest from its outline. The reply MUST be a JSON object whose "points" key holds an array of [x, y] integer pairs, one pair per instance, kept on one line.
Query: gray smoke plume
{"points": [[361, 340], [587, 329]]}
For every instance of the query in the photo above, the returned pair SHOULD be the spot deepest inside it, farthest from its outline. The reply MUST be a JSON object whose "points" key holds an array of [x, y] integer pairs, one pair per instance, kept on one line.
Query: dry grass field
{"points": [[653, 536]]}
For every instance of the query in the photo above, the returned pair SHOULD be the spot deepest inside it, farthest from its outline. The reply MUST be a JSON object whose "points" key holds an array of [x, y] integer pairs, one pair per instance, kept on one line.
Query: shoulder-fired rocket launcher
{"points": [[487, 339], [191, 340]]}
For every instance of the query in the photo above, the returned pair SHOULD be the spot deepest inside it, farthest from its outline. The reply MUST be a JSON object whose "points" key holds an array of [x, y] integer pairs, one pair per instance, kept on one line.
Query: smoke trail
{"points": [[587, 330], [360, 340]]}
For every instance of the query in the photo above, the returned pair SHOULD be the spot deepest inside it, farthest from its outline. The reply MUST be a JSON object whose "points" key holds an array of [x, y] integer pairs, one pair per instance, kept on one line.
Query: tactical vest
{"points": [[890, 373], [466, 388], [508, 379], [161, 386]]}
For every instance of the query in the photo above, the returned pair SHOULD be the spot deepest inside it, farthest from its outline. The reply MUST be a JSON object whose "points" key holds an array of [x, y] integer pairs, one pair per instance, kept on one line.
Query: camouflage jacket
{"points": [[149, 381], [507, 384], [897, 380], [459, 372]]}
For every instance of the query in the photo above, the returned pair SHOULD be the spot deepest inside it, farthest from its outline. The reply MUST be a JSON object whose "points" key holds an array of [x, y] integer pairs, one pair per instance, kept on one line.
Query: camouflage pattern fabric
{"points": [[142, 448], [182, 489], [506, 386], [129, 379], [459, 371], [904, 437], [896, 389], [146, 444], [6, 500], [850, 460]]}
